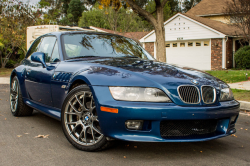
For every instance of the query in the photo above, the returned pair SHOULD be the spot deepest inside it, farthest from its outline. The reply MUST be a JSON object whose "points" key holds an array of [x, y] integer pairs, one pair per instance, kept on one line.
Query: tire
{"points": [[80, 122], [17, 106]]}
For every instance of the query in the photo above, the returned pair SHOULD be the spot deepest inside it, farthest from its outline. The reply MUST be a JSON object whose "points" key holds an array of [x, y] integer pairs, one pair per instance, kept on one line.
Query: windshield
{"points": [[101, 45]]}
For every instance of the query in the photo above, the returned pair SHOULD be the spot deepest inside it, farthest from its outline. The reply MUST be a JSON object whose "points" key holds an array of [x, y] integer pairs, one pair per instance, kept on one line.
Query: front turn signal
{"points": [[107, 109]]}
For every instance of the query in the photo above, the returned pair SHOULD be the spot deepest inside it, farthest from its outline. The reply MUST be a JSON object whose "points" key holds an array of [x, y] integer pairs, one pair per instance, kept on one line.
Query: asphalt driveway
{"points": [[18, 145]]}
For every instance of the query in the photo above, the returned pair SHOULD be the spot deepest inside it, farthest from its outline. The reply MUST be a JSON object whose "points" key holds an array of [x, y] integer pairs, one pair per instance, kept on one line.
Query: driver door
{"points": [[38, 78]]}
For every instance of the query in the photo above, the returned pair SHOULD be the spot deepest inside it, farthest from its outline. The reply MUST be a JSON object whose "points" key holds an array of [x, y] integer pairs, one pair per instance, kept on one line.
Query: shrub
{"points": [[10, 64], [242, 58]]}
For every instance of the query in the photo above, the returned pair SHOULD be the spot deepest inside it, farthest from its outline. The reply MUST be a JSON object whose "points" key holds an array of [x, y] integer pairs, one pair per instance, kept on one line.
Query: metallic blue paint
{"points": [[39, 57], [43, 89]]}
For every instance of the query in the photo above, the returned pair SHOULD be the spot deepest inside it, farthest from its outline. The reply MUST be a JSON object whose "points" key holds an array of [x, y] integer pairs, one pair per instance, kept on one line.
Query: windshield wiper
{"points": [[86, 56], [131, 57]]}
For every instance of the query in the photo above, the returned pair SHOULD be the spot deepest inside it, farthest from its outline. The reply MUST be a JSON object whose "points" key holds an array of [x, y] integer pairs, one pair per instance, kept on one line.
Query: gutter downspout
{"points": [[224, 41]]}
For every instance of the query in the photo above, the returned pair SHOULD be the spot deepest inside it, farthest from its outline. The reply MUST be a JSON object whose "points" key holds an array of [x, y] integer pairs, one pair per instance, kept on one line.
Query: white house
{"points": [[197, 42]]}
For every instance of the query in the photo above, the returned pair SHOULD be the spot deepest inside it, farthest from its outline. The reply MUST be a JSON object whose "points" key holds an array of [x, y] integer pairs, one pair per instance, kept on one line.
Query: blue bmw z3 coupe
{"points": [[105, 87]]}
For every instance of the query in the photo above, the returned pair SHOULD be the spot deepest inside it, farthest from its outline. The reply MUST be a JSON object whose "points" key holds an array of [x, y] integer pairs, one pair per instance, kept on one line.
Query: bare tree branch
{"points": [[143, 12]]}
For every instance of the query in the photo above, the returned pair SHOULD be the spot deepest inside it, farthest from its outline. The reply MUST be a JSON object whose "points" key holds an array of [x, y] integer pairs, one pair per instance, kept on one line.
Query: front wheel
{"points": [[80, 121], [17, 106]]}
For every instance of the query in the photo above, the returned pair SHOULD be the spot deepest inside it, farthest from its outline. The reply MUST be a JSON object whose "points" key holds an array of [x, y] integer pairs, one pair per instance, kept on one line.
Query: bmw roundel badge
{"points": [[195, 82]]}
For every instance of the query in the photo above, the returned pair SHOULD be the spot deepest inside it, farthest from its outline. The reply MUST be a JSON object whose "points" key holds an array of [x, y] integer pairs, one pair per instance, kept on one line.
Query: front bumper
{"points": [[113, 125]]}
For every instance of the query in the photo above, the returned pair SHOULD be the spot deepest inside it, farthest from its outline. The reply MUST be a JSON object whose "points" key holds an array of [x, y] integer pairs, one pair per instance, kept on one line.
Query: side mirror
{"points": [[39, 57]]}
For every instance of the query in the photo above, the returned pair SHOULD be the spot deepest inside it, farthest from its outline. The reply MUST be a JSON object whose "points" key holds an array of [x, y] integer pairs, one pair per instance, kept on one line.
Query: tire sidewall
{"points": [[19, 95]]}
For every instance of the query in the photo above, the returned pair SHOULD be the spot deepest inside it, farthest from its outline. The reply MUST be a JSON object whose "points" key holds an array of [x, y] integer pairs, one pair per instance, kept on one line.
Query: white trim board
{"points": [[190, 19]]}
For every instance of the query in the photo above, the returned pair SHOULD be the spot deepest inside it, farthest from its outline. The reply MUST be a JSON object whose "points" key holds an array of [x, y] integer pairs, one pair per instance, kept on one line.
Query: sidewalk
{"points": [[4, 80], [244, 85]]}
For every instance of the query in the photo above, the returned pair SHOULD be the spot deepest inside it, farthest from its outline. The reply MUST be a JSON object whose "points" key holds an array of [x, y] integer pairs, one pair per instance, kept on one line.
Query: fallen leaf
{"points": [[124, 156], [19, 135], [26, 133], [42, 136], [201, 151], [5, 119], [241, 128], [246, 129], [135, 146]]}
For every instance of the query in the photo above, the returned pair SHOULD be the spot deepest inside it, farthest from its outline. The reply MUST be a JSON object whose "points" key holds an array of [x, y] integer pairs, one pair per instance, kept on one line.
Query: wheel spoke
{"points": [[74, 129], [14, 86], [92, 132], [97, 130], [78, 101], [95, 118], [80, 136], [71, 123], [74, 108], [71, 113], [85, 134]]}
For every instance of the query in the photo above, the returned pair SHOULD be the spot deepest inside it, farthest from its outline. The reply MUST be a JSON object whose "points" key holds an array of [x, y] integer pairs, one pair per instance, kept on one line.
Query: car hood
{"points": [[143, 73]]}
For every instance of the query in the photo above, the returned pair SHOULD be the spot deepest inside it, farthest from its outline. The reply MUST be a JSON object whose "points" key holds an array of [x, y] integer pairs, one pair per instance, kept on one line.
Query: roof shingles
{"points": [[208, 7]]}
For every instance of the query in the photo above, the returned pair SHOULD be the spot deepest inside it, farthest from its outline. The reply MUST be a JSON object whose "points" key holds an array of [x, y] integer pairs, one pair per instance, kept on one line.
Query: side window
{"points": [[55, 55], [47, 46], [33, 48]]}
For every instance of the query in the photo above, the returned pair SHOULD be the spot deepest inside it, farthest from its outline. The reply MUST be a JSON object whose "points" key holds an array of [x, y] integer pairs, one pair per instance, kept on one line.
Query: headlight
{"points": [[226, 93], [139, 94]]}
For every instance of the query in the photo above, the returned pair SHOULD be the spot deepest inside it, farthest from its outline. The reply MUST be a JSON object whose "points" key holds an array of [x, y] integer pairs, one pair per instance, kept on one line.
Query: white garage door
{"points": [[194, 54]]}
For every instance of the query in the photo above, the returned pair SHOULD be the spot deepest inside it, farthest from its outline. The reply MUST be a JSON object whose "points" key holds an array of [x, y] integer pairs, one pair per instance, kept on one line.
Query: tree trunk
{"points": [[158, 24], [160, 36], [1, 59]]}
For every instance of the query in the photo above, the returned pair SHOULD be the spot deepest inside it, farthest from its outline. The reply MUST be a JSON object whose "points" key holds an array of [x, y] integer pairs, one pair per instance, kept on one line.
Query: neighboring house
{"points": [[200, 38]]}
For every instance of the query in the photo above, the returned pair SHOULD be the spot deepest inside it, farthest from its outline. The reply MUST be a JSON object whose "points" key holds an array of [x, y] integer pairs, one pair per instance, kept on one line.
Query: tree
{"points": [[123, 20], [51, 10], [188, 4], [14, 19], [168, 11], [76, 8], [157, 22], [238, 13], [93, 17]]}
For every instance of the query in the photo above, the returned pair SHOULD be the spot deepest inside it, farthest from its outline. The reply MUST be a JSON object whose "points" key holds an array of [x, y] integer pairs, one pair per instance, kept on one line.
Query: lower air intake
{"points": [[187, 128]]}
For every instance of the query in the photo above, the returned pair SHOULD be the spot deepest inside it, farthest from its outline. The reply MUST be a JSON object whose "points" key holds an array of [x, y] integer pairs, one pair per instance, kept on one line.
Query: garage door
{"points": [[194, 54]]}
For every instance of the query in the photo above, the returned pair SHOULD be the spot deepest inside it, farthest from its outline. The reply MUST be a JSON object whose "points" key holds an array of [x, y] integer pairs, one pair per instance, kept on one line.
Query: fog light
{"points": [[134, 124]]}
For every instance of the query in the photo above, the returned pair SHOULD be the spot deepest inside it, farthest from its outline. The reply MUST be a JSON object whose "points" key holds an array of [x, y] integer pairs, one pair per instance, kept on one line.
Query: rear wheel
{"points": [[17, 106], [80, 121]]}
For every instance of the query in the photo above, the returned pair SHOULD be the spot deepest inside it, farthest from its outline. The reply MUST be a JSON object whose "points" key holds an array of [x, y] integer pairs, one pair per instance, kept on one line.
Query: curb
{"points": [[244, 105]]}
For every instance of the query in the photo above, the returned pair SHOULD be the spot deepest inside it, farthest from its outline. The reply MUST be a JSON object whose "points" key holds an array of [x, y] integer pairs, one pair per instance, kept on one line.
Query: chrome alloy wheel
{"points": [[14, 96], [81, 120]]}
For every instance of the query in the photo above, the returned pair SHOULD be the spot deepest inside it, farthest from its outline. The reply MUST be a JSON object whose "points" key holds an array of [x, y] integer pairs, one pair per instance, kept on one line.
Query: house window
{"points": [[190, 44], [206, 43], [174, 44], [198, 44], [182, 45], [167, 44]]}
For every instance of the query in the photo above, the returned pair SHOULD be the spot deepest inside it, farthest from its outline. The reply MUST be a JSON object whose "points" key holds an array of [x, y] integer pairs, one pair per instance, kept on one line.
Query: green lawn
{"points": [[230, 76], [243, 95], [5, 72]]}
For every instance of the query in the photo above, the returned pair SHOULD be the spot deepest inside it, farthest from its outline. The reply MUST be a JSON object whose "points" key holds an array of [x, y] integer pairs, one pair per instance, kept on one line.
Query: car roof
{"points": [[80, 32]]}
